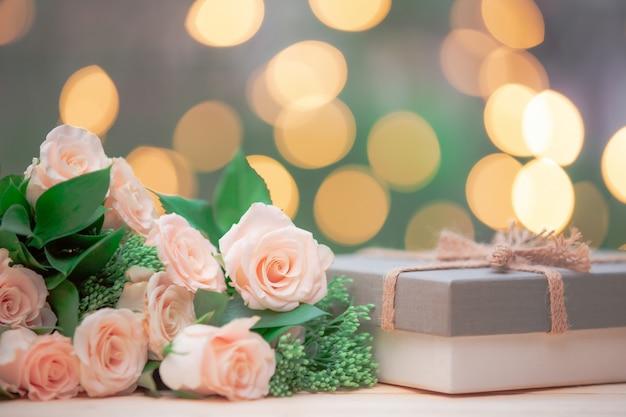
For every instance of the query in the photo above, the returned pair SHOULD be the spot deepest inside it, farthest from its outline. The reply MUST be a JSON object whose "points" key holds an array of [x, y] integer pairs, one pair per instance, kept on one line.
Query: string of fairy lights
{"points": [[538, 132]]}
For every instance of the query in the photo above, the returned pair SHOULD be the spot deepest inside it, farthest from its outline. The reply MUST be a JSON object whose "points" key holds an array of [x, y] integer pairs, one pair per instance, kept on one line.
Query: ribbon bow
{"points": [[518, 249]]}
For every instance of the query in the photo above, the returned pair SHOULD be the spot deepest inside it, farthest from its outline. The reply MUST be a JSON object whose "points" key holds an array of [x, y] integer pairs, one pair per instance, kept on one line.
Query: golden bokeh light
{"points": [[553, 127], [543, 196], [466, 14], [515, 23], [186, 177], [308, 73], [259, 98], [350, 206], [224, 23], [489, 188], [282, 187], [16, 19], [423, 230], [591, 213], [350, 15], [613, 166], [403, 150], [89, 99], [163, 171], [503, 117], [208, 135], [462, 54], [509, 66], [314, 138]]}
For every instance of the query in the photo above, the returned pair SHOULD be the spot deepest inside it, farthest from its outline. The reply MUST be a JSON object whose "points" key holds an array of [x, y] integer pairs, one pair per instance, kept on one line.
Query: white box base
{"points": [[467, 364]]}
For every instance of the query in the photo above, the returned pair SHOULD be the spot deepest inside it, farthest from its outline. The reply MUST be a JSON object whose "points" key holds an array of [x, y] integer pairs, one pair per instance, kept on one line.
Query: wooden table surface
{"points": [[382, 400]]}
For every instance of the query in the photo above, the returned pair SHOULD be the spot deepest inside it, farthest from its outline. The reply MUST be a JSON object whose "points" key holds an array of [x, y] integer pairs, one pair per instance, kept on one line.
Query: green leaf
{"points": [[238, 187], [198, 213], [10, 195], [24, 256], [209, 306], [146, 380], [88, 261], [6, 182], [300, 315], [76, 242], [16, 220], [6, 395], [9, 241], [270, 319], [43, 330], [64, 301], [188, 395], [167, 349], [19, 252], [95, 228], [70, 206], [272, 333], [54, 280]]}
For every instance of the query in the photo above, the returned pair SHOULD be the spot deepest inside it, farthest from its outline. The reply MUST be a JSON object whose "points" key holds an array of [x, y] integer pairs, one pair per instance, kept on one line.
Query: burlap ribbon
{"points": [[518, 250]]}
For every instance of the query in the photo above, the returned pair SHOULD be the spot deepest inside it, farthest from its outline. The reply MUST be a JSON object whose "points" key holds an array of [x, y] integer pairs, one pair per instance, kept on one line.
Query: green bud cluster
{"points": [[291, 364], [334, 354], [337, 295], [104, 288]]}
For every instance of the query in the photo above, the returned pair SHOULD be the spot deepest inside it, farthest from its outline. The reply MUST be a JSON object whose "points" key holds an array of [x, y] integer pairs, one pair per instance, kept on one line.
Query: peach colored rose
{"points": [[272, 263], [23, 295], [167, 309], [5, 260], [128, 200], [45, 319], [112, 349], [188, 257], [133, 295], [14, 343], [44, 367], [231, 361], [67, 152], [51, 369]]}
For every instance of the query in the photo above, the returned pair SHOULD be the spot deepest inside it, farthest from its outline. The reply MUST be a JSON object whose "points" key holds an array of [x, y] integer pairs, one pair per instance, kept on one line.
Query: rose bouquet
{"points": [[101, 296]]}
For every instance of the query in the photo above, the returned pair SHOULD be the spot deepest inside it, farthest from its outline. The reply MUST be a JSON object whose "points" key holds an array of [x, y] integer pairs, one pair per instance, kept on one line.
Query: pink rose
{"points": [[133, 295], [5, 260], [66, 153], [188, 257], [112, 349], [231, 361], [23, 295], [51, 369], [45, 319], [272, 263], [14, 343], [167, 309], [128, 200], [44, 366]]}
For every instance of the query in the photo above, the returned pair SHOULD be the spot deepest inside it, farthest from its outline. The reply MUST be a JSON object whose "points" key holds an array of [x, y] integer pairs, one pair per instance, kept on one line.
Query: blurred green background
{"points": [[160, 71]]}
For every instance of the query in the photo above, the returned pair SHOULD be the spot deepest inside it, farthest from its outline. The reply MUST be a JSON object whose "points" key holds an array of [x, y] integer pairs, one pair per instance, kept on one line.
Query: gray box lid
{"points": [[483, 301]]}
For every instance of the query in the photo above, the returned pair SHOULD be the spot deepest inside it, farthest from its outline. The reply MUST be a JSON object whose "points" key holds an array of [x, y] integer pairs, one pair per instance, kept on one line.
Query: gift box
{"points": [[478, 329]]}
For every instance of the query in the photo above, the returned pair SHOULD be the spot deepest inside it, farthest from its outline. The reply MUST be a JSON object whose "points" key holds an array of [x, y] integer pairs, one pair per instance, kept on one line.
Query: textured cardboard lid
{"points": [[461, 302]]}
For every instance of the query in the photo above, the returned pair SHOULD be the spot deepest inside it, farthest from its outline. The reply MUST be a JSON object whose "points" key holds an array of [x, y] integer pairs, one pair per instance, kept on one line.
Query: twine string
{"points": [[518, 250], [388, 314]]}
